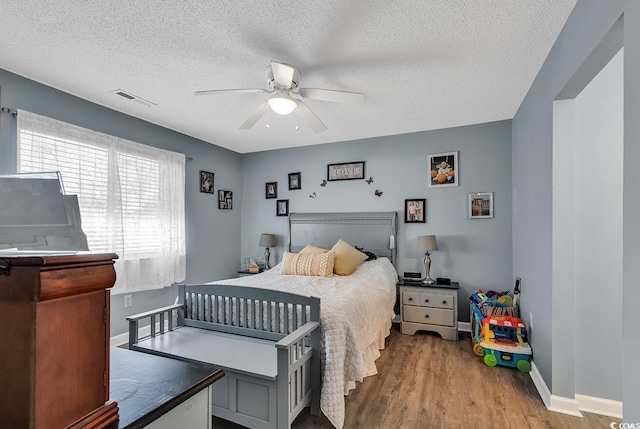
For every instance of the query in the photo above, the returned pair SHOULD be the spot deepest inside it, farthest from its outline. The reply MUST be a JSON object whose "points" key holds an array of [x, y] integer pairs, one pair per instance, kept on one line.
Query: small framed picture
{"points": [[415, 211], [481, 205], [271, 190], [206, 182], [295, 181], [443, 170], [225, 200], [282, 208]]}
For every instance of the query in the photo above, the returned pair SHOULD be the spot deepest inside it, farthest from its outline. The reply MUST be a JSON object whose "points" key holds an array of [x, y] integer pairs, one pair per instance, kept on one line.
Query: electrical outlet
{"points": [[127, 301], [530, 320]]}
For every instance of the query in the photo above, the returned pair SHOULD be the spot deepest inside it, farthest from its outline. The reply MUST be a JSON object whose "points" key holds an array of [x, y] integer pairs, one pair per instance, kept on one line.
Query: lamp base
{"points": [[428, 280], [267, 256]]}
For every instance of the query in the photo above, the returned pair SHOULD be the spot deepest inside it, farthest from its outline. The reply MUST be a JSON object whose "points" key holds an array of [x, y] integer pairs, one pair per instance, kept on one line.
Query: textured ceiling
{"points": [[422, 65]]}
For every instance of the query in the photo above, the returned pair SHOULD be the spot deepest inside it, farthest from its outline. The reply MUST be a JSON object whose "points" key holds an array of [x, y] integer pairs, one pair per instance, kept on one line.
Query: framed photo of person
{"points": [[415, 211], [206, 182], [271, 190], [282, 208], [225, 200], [443, 170], [295, 181]]}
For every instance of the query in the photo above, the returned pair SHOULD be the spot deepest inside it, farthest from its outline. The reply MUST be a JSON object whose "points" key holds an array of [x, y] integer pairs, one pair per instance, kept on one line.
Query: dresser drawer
{"points": [[436, 300], [428, 299], [432, 316], [411, 298]]}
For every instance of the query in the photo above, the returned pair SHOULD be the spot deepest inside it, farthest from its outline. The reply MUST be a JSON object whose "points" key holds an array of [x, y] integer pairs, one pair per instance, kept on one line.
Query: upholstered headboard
{"points": [[375, 231]]}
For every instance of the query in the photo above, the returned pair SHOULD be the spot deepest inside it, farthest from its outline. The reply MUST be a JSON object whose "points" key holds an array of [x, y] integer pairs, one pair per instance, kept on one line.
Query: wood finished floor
{"points": [[427, 382]]}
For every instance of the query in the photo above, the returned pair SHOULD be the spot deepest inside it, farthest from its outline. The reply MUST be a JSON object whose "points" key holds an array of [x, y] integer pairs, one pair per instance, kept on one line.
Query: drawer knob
{"points": [[410, 299], [444, 302], [426, 300], [426, 316]]}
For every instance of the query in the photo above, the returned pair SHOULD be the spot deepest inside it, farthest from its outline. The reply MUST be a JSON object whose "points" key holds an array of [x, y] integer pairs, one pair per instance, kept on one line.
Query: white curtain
{"points": [[131, 196]]}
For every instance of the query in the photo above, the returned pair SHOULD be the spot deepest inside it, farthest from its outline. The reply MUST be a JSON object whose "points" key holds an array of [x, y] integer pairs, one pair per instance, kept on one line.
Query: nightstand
{"points": [[247, 273], [429, 308]]}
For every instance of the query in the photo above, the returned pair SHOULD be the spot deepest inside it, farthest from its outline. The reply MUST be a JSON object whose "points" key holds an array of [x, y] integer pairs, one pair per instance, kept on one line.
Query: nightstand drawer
{"points": [[432, 316], [411, 298], [428, 299]]}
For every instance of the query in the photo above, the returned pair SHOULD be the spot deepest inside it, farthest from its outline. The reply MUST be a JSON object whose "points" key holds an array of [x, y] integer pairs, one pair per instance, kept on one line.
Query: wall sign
{"points": [[346, 171]]}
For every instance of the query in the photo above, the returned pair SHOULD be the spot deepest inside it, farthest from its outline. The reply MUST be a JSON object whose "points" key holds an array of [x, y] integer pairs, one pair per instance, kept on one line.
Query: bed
{"points": [[356, 310]]}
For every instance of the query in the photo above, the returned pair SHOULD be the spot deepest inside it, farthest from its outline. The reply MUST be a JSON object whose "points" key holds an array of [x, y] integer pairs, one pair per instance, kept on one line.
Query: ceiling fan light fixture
{"points": [[282, 104]]}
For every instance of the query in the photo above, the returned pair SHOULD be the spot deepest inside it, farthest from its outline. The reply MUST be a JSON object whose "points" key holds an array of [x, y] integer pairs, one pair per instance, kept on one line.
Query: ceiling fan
{"points": [[282, 80]]}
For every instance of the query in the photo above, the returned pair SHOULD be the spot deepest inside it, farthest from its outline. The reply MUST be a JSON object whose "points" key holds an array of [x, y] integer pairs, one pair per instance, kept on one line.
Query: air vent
{"points": [[125, 95], [130, 96]]}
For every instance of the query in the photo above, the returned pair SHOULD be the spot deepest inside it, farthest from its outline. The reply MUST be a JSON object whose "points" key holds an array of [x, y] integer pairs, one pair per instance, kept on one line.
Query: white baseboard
{"points": [[541, 386], [464, 326], [122, 339], [573, 407], [563, 405], [555, 403], [605, 407]]}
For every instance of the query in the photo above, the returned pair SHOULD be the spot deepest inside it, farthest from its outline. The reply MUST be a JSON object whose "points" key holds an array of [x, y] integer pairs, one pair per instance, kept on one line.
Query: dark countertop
{"points": [[147, 386]]}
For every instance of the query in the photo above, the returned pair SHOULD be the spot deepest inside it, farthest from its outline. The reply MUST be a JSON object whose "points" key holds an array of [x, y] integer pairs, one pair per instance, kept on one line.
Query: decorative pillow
{"points": [[311, 249], [370, 255], [310, 264], [347, 258]]}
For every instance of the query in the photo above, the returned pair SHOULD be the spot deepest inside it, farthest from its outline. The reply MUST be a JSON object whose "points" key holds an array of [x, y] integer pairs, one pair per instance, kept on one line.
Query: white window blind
{"points": [[131, 196]]}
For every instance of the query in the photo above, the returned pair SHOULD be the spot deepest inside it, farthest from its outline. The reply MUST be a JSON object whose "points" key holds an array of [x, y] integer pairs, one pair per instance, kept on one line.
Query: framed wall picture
{"points": [[295, 181], [271, 190], [480, 205], [415, 211], [225, 200], [206, 182], [345, 171], [282, 208], [443, 170]]}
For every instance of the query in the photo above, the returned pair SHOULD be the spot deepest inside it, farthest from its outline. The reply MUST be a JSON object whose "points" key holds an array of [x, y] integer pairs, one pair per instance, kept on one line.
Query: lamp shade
{"points": [[427, 243], [267, 240], [282, 104]]}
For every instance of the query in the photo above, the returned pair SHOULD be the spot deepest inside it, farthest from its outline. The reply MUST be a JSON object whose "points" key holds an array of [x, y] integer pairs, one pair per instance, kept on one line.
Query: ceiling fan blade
{"points": [[230, 91], [331, 95], [255, 116], [282, 73], [309, 118]]}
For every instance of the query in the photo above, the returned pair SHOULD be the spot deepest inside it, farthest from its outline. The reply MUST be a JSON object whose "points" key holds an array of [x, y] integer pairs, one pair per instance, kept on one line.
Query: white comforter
{"points": [[355, 317]]}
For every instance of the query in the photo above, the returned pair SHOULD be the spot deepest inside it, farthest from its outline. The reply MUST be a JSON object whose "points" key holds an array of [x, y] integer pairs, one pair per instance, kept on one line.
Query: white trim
{"points": [[555, 403], [605, 407], [541, 386], [464, 326], [563, 405], [123, 339]]}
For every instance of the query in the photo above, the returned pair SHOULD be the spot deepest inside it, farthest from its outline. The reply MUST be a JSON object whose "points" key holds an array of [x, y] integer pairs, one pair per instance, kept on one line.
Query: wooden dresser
{"points": [[54, 342]]}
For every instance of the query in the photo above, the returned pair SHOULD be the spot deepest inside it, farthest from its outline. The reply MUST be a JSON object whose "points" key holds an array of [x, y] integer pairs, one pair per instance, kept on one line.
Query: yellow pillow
{"points": [[347, 258], [318, 264], [311, 249]]}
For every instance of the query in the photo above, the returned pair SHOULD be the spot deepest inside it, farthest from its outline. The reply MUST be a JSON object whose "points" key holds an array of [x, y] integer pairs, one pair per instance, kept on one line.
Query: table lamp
{"points": [[266, 241], [426, 244]]}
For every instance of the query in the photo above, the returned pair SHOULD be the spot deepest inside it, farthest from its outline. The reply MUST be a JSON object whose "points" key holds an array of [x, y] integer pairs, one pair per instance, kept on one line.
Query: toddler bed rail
{"points": [[267, 342]]}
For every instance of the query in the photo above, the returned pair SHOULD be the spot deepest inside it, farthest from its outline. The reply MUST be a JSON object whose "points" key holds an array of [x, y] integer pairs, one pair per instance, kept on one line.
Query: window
{"points": [[131, 196]]}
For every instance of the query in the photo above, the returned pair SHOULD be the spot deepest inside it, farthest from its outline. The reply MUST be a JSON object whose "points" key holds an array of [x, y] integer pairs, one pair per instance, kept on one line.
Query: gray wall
{"points": [[211, 234], [475, 252], [532, 188]]}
